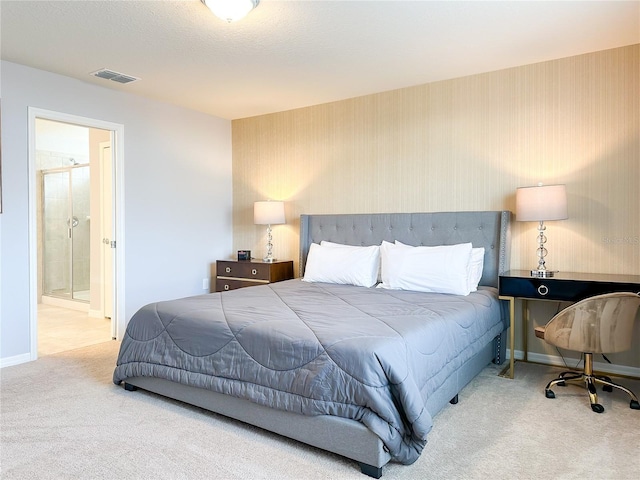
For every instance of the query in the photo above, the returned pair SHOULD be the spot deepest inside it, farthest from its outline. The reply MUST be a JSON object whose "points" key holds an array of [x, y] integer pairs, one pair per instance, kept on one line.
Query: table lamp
{"points": [[268, 213], [541, 203]]}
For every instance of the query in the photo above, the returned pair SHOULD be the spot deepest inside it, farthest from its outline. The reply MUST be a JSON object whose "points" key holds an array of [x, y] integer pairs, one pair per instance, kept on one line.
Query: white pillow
{"points": [[476, 265], [344, 264], [386, 269], [441, 269], [474, 270], [325, 243]]}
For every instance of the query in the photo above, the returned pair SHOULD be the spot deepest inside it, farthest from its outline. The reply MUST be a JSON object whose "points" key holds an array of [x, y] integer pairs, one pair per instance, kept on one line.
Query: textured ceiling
{"points": [[290, 54]]}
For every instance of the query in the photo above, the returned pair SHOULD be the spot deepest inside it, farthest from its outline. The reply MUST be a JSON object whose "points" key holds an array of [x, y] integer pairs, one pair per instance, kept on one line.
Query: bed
{"points": [[358, 371]]}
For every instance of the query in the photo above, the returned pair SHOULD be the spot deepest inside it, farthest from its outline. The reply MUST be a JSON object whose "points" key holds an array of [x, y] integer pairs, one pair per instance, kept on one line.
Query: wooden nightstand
{"points": [[233, 274]]}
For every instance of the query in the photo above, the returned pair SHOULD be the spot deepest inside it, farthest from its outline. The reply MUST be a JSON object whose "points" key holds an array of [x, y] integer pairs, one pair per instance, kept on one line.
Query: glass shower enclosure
{"points": [[65, 232]]}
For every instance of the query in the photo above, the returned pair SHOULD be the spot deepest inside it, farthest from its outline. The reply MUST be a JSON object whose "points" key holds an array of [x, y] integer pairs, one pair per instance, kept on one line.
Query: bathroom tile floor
{"points": [[61, 329]]}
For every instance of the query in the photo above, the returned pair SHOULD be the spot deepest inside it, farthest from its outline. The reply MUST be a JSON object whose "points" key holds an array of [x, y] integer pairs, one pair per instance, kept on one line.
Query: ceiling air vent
{"points": [[114, 76]]}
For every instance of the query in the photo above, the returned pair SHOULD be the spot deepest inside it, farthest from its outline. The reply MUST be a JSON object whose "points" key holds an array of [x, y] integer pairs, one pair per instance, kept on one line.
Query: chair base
{"points": [[590, 380]]}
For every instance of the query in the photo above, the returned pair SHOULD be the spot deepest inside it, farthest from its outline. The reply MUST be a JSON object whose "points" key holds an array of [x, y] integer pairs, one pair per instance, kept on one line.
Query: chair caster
{"points": [[634, 404], [549, 394], [607, 388], [596, 407]]}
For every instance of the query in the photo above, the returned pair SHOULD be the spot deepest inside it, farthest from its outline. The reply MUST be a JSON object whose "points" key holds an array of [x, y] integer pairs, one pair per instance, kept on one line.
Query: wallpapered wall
{"points": [[463, 144]]}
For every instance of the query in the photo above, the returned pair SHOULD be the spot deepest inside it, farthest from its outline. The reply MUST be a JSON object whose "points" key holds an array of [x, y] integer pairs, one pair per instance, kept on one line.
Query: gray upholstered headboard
{"points": [[491, 230]]}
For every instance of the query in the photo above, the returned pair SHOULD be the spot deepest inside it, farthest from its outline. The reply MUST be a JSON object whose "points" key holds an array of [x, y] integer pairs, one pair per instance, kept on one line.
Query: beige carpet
{"points": [[61, 417]]}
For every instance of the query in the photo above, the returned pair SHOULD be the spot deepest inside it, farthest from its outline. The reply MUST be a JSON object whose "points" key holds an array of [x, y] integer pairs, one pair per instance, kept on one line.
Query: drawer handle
{"points": [[228, 269], [543, 290], [226, 287], [254, 272]]}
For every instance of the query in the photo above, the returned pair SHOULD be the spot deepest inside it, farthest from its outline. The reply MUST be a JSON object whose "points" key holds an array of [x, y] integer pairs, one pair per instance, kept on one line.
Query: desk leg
{"points": [[525, 330], [512, 337]]}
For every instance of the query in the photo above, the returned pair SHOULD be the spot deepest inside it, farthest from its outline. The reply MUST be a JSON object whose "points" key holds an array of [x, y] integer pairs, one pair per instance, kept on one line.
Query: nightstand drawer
{"points": [[225, 284], [245, 270]]}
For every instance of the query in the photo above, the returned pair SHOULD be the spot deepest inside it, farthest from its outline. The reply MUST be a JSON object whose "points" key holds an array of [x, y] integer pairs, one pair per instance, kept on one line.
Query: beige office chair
{"points": [[600, 324]]}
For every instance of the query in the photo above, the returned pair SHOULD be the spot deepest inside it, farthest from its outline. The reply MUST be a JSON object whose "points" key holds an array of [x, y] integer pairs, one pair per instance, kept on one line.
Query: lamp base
{"points": [[543, 273], [269, 259]]}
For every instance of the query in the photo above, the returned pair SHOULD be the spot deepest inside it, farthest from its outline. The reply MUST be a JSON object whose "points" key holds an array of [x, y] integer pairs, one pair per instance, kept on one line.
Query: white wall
{"points": [[177, 192]]}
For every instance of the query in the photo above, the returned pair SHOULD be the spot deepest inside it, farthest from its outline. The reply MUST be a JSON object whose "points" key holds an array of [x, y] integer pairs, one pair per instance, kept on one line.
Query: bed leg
{"points": [[500, 348], [130, 388], [454, 400], [370, 470]]}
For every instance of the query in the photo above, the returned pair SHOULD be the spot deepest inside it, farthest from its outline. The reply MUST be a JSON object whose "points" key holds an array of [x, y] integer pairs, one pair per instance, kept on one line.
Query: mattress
{"points": [[367, 354]]}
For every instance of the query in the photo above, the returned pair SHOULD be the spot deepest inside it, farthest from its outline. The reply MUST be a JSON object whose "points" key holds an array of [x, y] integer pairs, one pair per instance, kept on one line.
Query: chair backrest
{"points": [[600, 324]]}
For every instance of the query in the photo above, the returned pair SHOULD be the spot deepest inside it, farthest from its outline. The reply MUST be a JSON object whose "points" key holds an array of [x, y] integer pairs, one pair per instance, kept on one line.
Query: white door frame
{"points": [[117, 143], [106, 232]]}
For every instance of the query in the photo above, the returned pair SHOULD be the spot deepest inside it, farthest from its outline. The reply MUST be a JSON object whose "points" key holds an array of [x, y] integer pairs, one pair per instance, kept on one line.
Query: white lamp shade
{"points": [[268, 213], [541, 203]]}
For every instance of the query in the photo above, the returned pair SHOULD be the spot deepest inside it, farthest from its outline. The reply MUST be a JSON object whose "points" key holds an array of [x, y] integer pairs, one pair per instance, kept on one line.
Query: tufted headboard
{"points": [[490, 230]]}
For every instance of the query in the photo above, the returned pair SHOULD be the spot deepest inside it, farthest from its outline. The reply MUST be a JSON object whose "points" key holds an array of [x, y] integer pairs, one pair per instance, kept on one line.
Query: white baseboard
{"points": [[557, 361], [16, 360], [517, 354]]}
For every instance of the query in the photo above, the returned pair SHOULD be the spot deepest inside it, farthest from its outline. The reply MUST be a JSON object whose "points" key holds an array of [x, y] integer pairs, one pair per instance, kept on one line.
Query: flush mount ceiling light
{"points": [[231, 10]]}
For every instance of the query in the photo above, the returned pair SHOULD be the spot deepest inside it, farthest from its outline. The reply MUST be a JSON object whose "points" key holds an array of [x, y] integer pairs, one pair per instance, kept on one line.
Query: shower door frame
{"points": [[117, 142]]}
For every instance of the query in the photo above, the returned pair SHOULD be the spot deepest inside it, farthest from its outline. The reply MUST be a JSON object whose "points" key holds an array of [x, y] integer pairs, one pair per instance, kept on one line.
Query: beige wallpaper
{"points": [[464, 144]]}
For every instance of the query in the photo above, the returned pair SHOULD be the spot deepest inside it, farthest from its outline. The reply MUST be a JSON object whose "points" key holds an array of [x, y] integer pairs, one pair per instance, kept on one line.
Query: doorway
{"points": [[73, 219]]}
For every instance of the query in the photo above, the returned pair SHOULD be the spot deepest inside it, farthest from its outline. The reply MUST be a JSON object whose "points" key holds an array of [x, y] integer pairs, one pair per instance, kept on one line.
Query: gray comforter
{"points": [[368, 354]]}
